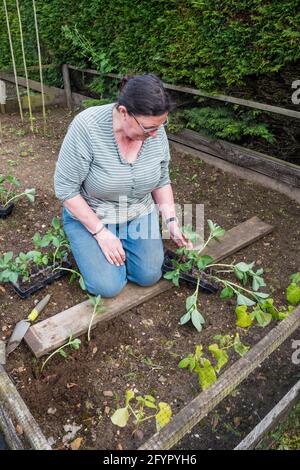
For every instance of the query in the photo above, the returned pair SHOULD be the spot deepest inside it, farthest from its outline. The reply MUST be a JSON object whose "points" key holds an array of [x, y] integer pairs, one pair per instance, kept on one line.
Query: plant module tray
{"points": [[43, 278], [206, 283], [6, 211]]}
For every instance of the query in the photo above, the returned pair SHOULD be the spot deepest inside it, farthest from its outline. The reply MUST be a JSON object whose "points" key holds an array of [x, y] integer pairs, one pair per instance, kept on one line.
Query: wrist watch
{"points": [[171, 219]]}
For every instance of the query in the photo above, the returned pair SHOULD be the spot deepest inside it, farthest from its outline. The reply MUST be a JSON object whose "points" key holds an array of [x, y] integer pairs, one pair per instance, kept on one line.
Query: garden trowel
{"points": [[23, 325]]}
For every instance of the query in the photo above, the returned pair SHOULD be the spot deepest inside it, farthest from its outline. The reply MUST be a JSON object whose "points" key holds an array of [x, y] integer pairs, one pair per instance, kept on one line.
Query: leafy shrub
{"points": [[207, 43], [222, 122]]}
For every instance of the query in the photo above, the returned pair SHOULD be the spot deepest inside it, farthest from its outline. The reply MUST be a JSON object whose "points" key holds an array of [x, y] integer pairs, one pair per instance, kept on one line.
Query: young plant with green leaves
{"points": [[56, 238], [72, 343], [189, 260], [11, 269], [98, 309], [8, 270], [138, 411], [25, 265], [195, 262], [192, 313], [244, 273], [293, 290], [75, 275], [202, 366], [9, 193], [263, 313]]}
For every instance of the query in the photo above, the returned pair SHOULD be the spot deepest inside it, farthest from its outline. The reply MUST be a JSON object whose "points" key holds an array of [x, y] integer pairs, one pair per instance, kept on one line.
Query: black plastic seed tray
{"points": [[205, 282], [36, 286], [6, 211]]}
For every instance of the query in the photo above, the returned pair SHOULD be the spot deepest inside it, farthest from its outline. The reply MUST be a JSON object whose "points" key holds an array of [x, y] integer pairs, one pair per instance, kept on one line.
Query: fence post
{"points": [[2, 96], [67, 85]]}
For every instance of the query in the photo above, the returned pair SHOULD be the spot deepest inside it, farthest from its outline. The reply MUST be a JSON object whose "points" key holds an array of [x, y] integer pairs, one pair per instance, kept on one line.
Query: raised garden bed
{"points": [[141, 348]]}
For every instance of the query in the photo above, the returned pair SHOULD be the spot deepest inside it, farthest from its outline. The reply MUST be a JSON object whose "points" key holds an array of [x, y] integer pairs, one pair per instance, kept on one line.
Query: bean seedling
{"points": [[97, 303], [196, 263], [72, 343], [162, 413], [207, 372], [8, 193]]}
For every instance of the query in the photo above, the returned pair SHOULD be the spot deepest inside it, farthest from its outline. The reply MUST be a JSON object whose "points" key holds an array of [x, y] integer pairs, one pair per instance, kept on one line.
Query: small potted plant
{"points": [[8, 194], [31, 271], [190, 265]]}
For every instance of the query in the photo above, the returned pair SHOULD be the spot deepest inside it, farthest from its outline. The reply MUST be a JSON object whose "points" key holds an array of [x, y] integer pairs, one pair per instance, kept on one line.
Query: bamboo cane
{"points": [[40, 64], [13, 59], [25, 67]]}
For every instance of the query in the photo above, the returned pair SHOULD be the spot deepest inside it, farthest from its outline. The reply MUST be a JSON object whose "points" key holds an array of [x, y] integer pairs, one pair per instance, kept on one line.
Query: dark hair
{"points": [[144, 95]]}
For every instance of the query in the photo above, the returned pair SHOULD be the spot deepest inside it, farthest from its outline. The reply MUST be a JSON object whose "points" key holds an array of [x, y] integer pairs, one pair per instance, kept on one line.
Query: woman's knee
{"points": [[100, 286], [147, 277]]}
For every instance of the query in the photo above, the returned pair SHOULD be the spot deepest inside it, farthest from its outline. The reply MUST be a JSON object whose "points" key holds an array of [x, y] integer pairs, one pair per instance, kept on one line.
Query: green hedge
{"points": [[209, 44]]}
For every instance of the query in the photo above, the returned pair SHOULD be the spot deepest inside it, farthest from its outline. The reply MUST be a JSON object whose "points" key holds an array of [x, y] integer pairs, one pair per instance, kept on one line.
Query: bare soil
{"points": [[141, 349]]}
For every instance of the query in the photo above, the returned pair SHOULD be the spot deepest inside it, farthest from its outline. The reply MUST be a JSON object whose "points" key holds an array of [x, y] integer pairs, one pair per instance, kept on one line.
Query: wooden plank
{"points": [[237, 238], [240, 101], [241, 156], [206, 401], [51, 333], [56, 95], [31, 68], [226, 99], [14, 404], [36, 103], [271, 420], [33, 84], [242, 173], [12, 439]]}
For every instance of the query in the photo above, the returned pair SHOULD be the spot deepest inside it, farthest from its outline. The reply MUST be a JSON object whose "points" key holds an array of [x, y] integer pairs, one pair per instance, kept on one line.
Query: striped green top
{"points": [[90, 164]]}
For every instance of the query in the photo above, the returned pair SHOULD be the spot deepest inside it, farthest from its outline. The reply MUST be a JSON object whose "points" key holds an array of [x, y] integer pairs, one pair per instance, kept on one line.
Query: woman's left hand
{"points": [[179, 238]]}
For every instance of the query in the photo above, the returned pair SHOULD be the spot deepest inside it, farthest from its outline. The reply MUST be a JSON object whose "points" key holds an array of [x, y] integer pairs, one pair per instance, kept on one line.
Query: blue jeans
{"points": [[144, 254]]}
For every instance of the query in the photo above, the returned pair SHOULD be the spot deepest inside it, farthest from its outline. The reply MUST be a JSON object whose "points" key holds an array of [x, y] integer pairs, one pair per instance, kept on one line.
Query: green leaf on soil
{"points": [[204, 261], [197, 320], [226, 293], [206, 374], [163, 416], [185, 318], [220, 355], [244, 319], [293, 294], [120, 417], [239, 347], [243, 300]]}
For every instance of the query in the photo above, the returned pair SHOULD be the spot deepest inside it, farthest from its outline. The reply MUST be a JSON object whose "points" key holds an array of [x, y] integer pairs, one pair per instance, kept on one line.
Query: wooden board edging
{"points": [[207, 400], [267, 165], [17, 408], [12, 440], [271, 419], [227, 99]]}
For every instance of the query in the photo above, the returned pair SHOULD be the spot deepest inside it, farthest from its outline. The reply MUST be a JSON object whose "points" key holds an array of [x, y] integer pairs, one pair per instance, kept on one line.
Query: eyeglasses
{"points": [[146, 130]]}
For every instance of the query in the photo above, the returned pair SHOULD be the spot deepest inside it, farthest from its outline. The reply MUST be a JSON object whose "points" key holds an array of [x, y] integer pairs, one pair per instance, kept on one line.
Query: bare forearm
{"points": [[164, 198], [82, 211]]}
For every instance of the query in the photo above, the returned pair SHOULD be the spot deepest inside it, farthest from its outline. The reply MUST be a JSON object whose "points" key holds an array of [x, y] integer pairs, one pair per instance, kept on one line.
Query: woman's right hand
{"points": [[111, 246]]}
